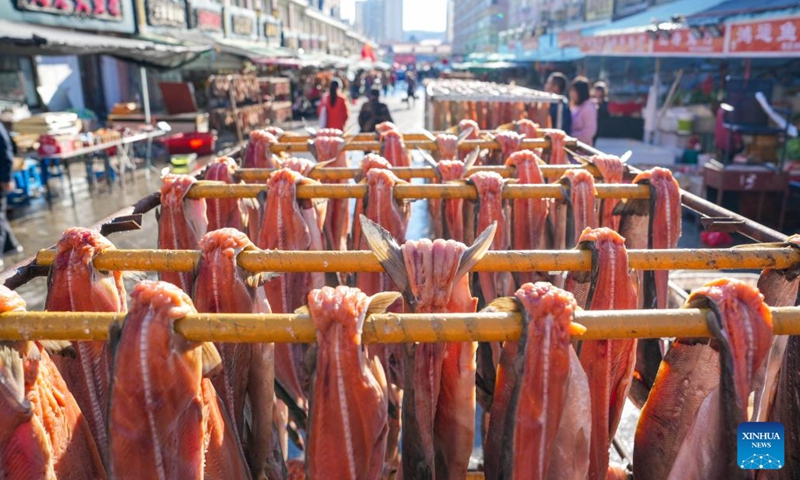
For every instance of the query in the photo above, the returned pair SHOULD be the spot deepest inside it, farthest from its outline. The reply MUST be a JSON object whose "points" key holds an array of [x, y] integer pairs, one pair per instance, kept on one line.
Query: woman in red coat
{"points": [[333, 109]]}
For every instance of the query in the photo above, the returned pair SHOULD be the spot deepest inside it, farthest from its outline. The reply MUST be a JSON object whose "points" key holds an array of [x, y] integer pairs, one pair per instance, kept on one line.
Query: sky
{"points": [[428, 15]]}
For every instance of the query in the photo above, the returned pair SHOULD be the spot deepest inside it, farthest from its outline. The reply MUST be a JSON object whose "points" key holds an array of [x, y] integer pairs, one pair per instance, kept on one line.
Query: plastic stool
{"points": [[52, 164], [33, 177]]}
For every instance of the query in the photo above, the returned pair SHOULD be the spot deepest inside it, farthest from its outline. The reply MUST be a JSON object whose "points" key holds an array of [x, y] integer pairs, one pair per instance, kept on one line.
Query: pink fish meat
{"points": [[259, 153], [528, 216], [611, 169], [510, 142], [337, 221], [393, 149], [557, 139], [576, 211], [447, 145], [224, 212]]}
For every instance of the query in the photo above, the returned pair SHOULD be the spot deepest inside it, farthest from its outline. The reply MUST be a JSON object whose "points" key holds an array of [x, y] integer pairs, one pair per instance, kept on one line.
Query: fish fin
{"points": [[503, 305], [114, 334], [313, 149], [61, 348], [259, 279], [302, 310], [479, 247], [295, 411], [473, 156], [11, 362], [212, 362], [386, 249], [158, 215], [321, 165], [379, 302], [427, 158], [463, 135]]}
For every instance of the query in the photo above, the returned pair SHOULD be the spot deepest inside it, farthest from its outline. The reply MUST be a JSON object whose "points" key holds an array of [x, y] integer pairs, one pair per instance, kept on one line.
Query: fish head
{"points": [[384, 127], [447, 145], [302, 166], [343, 306], [329, 148], [451, 170], [527, 128], [371, 161]]}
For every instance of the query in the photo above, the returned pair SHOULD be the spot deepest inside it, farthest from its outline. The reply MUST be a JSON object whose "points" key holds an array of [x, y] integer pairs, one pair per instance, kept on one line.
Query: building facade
{"points": [[476, 24], [380, 20]]}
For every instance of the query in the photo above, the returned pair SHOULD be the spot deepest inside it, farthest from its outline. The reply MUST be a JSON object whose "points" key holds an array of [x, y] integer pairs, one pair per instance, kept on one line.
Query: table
{"points": [[748, 178], [124, 147], [644, 154]]}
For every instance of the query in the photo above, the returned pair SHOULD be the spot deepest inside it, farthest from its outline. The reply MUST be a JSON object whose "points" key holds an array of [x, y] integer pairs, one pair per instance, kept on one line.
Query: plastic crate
{"points": [[195, 142]]}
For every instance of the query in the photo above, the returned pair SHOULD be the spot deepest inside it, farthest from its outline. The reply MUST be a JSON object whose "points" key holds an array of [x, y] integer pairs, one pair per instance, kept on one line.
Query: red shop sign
{"points": [[621, 44], [779, 36], [208, 20], [569, 39], [683, 41]]}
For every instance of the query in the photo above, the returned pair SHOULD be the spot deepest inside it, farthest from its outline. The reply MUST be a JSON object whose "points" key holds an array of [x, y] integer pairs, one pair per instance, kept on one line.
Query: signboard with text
{"points": [[774, 37], [569, 39], [625, 44], [683, 42], [207, 20], [108, 10], [166, 13]]}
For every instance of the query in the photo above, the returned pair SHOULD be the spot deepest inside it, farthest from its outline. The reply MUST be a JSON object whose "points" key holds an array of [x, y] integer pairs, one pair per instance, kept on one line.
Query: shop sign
{"points": [[622, 44], [110, 10], [569, 39], [405, 58], [778, 36], [530, 44], [166, 13], [683, 41], [272, 30], [599, 9], [241, 25], [207, 20]]}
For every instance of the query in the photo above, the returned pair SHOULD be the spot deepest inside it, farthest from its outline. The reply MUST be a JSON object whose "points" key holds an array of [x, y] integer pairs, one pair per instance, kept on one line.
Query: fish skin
{"points": [[74, 285], [181, 224], [349, 412], [742, 328], [608, 363], [223, 458], [557, 139], [528, 216], [509, 143], [295, 227], [452, 170], [248, 373], [489, 208], [337, 220], [258, 153], [156, 418], [393, 149], [611, 169], [577, 211], [224, 212]]}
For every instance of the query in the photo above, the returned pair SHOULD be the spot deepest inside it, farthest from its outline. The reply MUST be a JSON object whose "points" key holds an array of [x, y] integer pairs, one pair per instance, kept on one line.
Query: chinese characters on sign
{"points": [[168, 13], [272, 30], [207, 20], [776, 36], [241, 25], [93, 9], [569, 39], [622, 44], [684, 41]]}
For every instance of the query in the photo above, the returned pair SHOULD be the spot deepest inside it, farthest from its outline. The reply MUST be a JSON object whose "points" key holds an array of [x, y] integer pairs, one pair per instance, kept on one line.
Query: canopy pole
{"points": [[147, 120]]}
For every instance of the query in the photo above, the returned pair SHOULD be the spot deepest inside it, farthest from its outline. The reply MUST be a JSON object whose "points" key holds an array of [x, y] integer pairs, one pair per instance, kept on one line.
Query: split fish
{"points": [[75, 285], [163, 423], [246, 382], [557, 153], [259, 153], [439, 394], [384, 127], [447, 215], [468, 130], [224, 212], [329, 132], [182, 222], [612, 170], [43, 434], [393, 149], [576, 211], [330, 150], [510, 142], [532, 386], [447, 146], [608, 363], [348, 423]]}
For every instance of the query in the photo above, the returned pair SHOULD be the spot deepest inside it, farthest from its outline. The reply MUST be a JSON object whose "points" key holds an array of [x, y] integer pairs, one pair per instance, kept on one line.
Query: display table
{"points": [[644, 154], [747, 178]]}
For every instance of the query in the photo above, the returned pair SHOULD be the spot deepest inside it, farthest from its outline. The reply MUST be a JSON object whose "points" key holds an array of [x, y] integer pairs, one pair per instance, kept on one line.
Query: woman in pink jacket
{"points": [[584, 111]]}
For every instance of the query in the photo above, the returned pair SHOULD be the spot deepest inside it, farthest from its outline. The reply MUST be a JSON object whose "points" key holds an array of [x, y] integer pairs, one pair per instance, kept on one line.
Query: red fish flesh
{"points": [[182, 222], [742, 327], [276, 132], [528, 216], [159, 423], [43, 434], [447, 216], [329, 132], [576, 211], [608, 363], [510, 142], [337, 221], [74, 285], [295, 225], [224, 212], [373, 161], [447, 146], [558, 140], [611, 169], [302, 166], [259, 153], [439, 395], [384, 127], [248, 369], [527, 128], [468, 130], [393, 149], [532, 385], [348, 418]]}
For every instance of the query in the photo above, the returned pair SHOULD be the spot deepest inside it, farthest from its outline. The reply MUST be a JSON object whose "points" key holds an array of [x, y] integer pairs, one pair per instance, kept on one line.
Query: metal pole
{"points": [[147, 120]]}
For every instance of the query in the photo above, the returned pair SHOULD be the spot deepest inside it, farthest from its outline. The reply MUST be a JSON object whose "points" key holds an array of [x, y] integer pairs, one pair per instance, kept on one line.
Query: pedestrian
{"points": [[373, 112], [600, 91], [584, 111], [8, 242], [411, 87], [385, 83], [393, 81], [333, 109], [557, 84]]}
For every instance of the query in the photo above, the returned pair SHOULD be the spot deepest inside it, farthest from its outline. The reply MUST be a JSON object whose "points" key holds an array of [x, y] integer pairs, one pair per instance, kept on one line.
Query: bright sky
{"points": [[429, 15]]}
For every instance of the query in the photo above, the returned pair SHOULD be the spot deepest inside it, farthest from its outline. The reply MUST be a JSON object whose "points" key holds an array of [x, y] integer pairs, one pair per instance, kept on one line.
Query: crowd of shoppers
{"points": [[587, 106]]}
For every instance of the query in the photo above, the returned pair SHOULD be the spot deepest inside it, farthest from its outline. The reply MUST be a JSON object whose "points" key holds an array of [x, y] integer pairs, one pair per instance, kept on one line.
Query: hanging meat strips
{"points": [[393, 149], [557, 154], [528, 216], [43, 433], [608, 363], [224, 212], [245, 384], [683, 434], [539, 380], [348, 418], [182, 222], [330, 150], [74, 285], [576, 211], [165, 418], [611, 169], [510, 142], [439, 395], [259, 153]]}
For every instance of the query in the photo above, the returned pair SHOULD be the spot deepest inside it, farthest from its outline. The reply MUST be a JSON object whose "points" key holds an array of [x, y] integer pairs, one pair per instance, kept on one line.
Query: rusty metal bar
{"points": [[407, 173], [381, 328], [374, 145], [411, 191], [493, 261], [365, 137]]}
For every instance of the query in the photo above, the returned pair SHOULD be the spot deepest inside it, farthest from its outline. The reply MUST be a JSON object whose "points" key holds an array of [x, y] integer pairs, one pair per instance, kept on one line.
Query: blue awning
{"points": [[660, 13], [743, 10]]}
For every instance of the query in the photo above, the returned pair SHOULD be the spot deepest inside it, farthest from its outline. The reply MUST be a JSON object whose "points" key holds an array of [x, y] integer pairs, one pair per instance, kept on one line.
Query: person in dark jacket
{"points": [[8, 242], [373, 112], [557, 83], [600, 91]]}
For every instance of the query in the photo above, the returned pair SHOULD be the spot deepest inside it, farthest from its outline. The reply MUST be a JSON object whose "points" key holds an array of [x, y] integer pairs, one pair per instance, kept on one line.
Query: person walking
{"points": [[584, 111], [8, 242], [600, 94], [333, 109], [373, 112], [411, 87], [557, 84]]}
